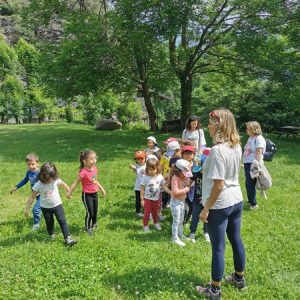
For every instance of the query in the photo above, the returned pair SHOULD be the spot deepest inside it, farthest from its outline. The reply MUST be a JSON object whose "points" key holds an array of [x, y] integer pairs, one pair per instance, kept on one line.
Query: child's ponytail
{"points": [[83, 156]]}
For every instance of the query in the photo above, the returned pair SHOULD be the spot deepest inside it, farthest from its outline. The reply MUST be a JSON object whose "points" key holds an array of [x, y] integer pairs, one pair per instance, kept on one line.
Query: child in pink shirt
{"points": [[180, 186], [90, 186]]}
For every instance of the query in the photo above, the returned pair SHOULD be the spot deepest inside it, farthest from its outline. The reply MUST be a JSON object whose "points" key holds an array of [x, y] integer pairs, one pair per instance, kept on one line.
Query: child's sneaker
{"points": [[35, 227], [94, 226], [183, 237], [161, 217], [254, 206], [90, 231], [192, 237], [52, 237], [208, 292], [179, 242], [140, 215], [146, 228], [69, 241], [241, 284], [206, 236], [157, 226]]}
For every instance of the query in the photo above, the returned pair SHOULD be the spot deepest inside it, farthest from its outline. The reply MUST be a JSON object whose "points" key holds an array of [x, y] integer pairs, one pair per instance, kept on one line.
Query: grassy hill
{"points": [[120, 261]]}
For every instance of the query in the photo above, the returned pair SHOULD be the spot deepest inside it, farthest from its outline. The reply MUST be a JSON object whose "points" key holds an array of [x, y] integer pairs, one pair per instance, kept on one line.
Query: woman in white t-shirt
{"points": [[253, 150], [193, 132], [223, 201]]}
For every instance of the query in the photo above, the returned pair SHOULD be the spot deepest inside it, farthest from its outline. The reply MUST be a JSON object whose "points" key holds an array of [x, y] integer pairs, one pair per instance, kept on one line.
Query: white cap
{"points": [[171, 148], [151, 156], [185, 167], [153, 139]]}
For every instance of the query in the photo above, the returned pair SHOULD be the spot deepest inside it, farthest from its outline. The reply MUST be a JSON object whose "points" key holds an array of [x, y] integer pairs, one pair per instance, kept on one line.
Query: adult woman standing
{"points": [[193, 132], [254, 149], [223, 201]]}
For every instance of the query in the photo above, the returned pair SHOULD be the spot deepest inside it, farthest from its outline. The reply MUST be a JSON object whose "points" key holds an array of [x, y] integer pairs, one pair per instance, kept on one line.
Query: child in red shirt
{"points": [[90, 186]]}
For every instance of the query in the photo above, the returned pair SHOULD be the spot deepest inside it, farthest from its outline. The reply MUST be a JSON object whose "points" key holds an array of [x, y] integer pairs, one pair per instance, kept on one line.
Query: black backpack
{"points": [[270, 150]]}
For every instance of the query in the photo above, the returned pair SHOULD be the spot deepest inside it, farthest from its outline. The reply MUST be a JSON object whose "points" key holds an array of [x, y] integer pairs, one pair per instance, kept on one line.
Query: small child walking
{"points": [[180, 186], [151, 185], [139, 169], [152, 146], [90, 185], [32, 161], [51, 204]]}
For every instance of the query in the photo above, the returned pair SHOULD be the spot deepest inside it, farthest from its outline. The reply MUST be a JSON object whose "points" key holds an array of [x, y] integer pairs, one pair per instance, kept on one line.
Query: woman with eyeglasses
{"points": [[223, 201], [194, 132]]}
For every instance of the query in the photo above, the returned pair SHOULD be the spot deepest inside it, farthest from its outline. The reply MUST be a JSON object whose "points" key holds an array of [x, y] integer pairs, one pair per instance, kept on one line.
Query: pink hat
{"points": [[188, 148], [170, 139], [185, 167]]}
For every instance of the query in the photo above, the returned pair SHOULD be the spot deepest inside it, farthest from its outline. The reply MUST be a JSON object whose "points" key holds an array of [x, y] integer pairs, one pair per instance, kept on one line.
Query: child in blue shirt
{"points": [[32, 161]]}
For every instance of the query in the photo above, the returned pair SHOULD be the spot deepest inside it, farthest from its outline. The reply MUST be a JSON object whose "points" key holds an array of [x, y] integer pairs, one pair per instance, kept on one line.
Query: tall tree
{"points": [[202, 35]]}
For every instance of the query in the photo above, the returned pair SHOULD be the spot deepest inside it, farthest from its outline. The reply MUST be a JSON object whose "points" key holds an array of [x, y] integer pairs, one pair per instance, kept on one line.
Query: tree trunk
{"points": [[186, 86], [149, 106]]}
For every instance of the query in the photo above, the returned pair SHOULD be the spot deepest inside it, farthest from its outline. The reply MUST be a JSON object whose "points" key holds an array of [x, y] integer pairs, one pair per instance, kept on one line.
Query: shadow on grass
{"points": [[146, 282]]}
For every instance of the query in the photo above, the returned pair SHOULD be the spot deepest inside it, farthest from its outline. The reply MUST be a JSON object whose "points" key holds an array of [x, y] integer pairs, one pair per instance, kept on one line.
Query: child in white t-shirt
{"points": [[151, 185], [51, 204], [139, 169]]}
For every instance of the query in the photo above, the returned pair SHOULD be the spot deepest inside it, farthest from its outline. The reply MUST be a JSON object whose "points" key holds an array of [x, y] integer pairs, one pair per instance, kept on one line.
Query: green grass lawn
{"points": [[120, 261]]}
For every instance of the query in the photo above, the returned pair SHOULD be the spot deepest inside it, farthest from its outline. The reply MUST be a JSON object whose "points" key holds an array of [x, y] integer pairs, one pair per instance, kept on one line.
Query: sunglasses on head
{"points": [[214, 115]]}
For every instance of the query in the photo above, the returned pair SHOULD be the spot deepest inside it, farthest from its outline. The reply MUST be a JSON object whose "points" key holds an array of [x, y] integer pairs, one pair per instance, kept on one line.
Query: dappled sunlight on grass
{"points": [[120, 261]]}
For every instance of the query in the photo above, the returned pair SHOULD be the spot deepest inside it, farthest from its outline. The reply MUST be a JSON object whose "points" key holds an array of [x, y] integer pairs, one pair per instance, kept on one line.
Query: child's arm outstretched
{"points": [[65, 187], [29, 203], [73, 186], [101, 188], [132, 167], [21, 183]]}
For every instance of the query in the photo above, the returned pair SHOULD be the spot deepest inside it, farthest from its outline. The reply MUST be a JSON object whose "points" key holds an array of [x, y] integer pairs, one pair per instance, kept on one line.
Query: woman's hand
{"points": [[203, 215]]}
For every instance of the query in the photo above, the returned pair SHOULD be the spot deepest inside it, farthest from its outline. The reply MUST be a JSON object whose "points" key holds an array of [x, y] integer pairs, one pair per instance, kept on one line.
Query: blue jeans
{"points": [[197, 208], [250, 185], [177, 211], [221, 221], [36, 211]]}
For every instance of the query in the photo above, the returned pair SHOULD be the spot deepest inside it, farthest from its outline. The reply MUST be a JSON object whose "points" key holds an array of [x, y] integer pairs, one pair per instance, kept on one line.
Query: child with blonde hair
{"points": [[151, 185]]}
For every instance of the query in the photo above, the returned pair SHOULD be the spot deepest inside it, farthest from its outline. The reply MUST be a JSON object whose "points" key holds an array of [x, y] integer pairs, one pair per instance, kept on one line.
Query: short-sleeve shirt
{"points": [[250, 148], [49, 193], [197, 136], [152, 186], [140, 172], [88, 180], [223, 163]]}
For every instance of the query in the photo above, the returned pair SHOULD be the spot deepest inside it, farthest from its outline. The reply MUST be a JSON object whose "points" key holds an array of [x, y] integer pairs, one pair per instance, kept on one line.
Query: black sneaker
{"points": [[207, 292], [69, 241], [241, 284]]}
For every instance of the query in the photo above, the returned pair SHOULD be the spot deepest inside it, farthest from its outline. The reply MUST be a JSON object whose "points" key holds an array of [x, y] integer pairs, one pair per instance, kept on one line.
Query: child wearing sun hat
{"points": [[180, 186]]}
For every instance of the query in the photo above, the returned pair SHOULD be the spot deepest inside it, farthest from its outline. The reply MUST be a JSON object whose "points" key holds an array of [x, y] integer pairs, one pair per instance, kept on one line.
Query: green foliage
{"points": [[120, 261], [12, 97], [262, 100], [8, 59], [28, 58]]}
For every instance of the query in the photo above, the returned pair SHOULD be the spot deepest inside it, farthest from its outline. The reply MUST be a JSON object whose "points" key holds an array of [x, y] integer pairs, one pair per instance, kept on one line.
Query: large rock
{"points": [[106, 124]]}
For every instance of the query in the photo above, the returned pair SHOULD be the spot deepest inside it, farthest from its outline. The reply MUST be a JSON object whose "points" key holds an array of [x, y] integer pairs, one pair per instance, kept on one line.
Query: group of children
{"points": [[165, 178], [170, 178], [45, 183]]}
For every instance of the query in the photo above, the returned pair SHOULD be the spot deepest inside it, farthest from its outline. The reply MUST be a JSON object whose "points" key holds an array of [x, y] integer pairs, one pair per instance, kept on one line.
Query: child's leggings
{"points": [[151, 206], [59, 213], [90, 201]]}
